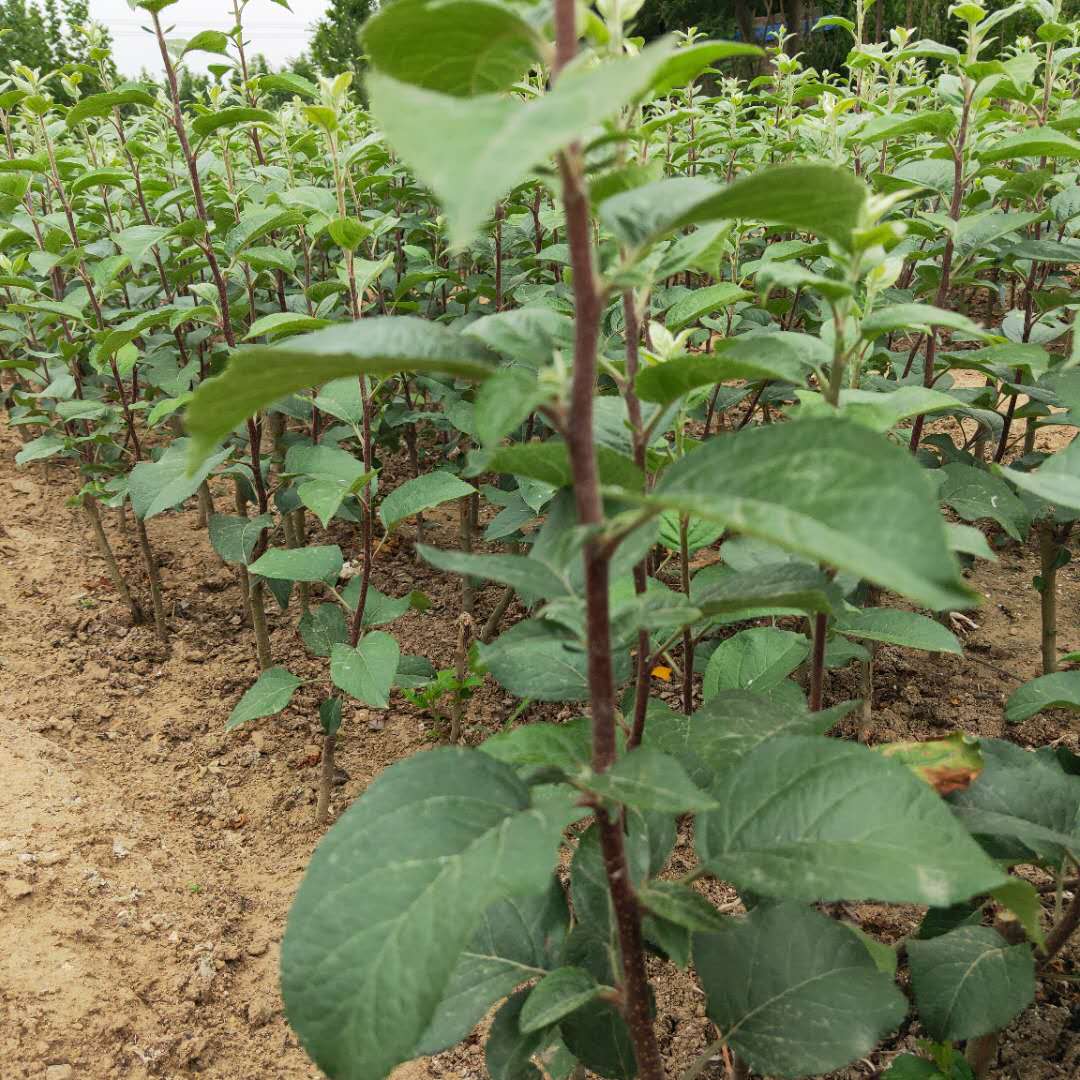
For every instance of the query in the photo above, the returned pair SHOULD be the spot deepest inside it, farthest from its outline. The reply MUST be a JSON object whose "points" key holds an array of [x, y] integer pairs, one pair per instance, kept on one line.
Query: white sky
{"points": [[271, 29]]}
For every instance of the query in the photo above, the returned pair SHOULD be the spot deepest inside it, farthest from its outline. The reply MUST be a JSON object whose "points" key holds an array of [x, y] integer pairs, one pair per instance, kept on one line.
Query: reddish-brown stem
{"points": [[817, 663], [587, 311]]}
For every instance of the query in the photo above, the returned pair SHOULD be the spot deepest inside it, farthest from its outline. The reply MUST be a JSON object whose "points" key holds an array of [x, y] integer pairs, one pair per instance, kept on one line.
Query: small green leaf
{"points": [[271, 693], [330, 715], [757, 659], [422, 493], [1060, 690], [556, 995], [366, 672], [683, 906], [649, 780]]}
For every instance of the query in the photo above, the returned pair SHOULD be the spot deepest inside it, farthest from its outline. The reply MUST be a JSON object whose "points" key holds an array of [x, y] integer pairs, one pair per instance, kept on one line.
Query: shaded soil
{"points": [[147, 860]]}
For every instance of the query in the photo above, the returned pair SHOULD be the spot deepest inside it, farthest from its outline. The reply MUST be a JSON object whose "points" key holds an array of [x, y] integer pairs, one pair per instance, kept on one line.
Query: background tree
{"points": [[335, 44]]}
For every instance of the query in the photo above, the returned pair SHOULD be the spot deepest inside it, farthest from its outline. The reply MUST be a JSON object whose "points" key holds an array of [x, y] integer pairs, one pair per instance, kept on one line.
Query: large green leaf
{"points": [[781, 356], [260, 375], [159, 485], [727, 728], [1057, 480], [975, 494], [97, 105], [700, 302], [530, 577], [556, 995], [421, 493], [393, 896], [970, 982], [897, 627], [535, 659], [319, 562], [472, 151], [757, 659], [1033, 143], [819, 819], [1023, 805], [234, 537], [271, 693], [805, 487], [821, 199], [719, 590], [366, 672], [516, 940], [812, 1000], [460, 47]]}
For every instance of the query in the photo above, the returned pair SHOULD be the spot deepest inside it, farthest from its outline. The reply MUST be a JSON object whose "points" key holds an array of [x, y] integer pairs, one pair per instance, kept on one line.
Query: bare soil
{"points": [[147, 860]]}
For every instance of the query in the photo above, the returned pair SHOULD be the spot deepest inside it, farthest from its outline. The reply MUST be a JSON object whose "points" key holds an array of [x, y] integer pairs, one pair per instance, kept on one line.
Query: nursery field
{"points": [[554, 561]]}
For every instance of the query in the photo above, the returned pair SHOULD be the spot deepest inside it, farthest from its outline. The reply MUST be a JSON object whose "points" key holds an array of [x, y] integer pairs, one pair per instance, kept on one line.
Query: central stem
{"points": [[587, 310]]}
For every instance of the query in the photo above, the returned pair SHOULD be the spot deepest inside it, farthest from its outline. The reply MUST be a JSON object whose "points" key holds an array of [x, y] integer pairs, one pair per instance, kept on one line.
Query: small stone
{"points": [[259, 1013], [103, 712], [59, 1072], [229, 952], [17, 889], [122, 846], [258, 740], [258, 945]]}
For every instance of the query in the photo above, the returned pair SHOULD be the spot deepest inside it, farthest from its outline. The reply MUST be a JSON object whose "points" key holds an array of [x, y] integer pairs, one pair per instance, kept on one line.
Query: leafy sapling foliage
{"points": [[720, 383]]}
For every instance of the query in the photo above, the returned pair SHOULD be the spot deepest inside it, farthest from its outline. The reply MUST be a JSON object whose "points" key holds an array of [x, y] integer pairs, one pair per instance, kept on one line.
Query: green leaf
{"points": [[1057, 480], [894, 317], [460, 47], [562, 746], [234, 538], [366, 672], [728, 727], [683, 906], [537, 660], [549, 463], [757, 659], [806, 196], [271, 693], [516, 940], [1023, 806], [97, 105], [260, 375], [816, 1000], [970, 982], [395, 892], [556, 995], [648, 780], [471, 151], [504, 402], [280, 323], [910, 1067], [976, 494], [1033, 143], [817, 819], [422, 493], [44, 446], [898, 627], [1060, 690], [212, 41], [319, 562], [509, 1049], [289, 83], [772, 586], [689, 62], [159, 485], [700, 302], [529, 576], [842, 469], [322, 627], [330, 715]]}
